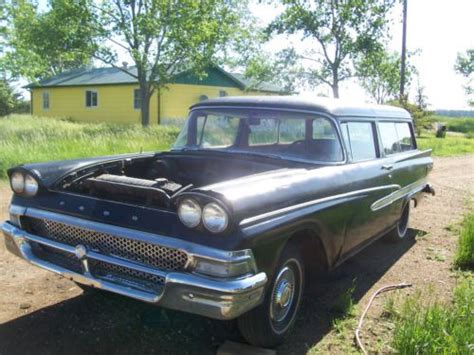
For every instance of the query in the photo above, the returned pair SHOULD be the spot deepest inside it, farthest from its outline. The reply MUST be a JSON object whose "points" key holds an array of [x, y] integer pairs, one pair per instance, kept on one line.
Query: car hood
{"points": [[50, 173]]}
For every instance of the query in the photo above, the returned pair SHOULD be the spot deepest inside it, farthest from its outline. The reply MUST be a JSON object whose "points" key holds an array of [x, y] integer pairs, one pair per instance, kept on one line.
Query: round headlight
{"points": [[17, 181], [189, 213], [31, 185], [215, 218]]}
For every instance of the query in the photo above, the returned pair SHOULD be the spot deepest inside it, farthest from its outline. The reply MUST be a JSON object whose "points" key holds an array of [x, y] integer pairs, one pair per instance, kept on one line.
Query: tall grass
{"points": [[25, 139], [448, 146], [440, 328], [437, 329], [465, 253], [463, 125]]}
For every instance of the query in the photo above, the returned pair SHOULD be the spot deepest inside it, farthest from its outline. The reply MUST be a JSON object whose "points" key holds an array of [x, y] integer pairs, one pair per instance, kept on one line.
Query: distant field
{"points": [[444, 147], [462, 125], [26, 139]]}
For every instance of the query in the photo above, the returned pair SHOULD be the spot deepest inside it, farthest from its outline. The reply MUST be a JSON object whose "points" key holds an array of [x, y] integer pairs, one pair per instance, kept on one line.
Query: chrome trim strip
{"points": [[258, 218], [407, 190]]}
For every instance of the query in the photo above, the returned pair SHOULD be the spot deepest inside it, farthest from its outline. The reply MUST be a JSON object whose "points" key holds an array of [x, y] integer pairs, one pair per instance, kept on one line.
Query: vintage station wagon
{"points": [[256, 196]]}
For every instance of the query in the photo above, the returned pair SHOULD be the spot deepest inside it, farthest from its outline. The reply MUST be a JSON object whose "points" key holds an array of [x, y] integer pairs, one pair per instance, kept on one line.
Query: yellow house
{"points": [[111, 95]]}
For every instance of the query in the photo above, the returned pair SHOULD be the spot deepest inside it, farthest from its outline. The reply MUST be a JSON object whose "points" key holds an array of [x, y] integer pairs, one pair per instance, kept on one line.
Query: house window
{"points": [[92, 98], [137, 99], [45, 100]]}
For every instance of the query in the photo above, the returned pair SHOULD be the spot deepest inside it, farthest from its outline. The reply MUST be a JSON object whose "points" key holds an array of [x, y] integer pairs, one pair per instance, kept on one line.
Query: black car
{"points": [[256, 194]]}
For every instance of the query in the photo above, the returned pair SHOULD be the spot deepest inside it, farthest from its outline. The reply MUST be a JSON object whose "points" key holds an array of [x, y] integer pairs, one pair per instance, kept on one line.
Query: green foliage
{"points": [[342, 31], [379, 75], [438, 328], [42, 44], [8, 98], [25, 139], [462, 125], [465, 253], [465, 67], [450, 146], [165, 37]]}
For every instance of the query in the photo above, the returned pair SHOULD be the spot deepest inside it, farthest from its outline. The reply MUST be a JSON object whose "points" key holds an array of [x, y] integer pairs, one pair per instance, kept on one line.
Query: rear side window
{"points": [[396, 137], [359, 140], [405, 137]]}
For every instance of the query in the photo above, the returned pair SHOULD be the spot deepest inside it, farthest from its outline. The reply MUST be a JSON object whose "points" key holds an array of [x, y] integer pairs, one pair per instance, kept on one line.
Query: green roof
{"points": [[216, 76]]}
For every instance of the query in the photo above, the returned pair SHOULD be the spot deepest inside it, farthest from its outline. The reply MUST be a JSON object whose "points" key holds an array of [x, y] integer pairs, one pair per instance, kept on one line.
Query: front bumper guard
{"points": [[211, 297]]}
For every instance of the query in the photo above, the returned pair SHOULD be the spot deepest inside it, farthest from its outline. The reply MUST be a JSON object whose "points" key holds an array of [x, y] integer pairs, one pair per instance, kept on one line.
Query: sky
{"points": [[437, 29]]}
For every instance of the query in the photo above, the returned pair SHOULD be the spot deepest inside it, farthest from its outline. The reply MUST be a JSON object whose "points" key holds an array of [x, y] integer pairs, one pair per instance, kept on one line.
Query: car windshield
{"points": [[283, 134]]}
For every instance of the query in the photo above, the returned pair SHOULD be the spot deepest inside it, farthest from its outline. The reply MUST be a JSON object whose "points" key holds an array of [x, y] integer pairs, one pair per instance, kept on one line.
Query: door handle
{"points": [[387, 167]]}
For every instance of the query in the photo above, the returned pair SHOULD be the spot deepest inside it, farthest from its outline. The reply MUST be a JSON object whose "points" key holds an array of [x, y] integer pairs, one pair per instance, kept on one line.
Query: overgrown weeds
{"points": [[25, 139], [437, 328]]}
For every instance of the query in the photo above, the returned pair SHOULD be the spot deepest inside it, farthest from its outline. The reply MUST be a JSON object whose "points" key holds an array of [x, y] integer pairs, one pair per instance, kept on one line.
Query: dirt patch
{"points": [[41, 313]]}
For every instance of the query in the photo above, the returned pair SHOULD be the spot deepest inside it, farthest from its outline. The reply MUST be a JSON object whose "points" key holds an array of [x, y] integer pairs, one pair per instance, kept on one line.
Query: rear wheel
{"points": [[401, 229], [268, 324]]}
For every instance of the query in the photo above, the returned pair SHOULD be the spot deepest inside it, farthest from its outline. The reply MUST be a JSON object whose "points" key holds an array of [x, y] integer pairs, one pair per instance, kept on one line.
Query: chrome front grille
{"points": [[101, 269], [112, 245]]}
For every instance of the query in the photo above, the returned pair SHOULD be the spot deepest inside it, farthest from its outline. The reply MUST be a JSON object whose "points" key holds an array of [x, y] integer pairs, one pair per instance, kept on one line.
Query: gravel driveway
{"points": [[41, 313]]}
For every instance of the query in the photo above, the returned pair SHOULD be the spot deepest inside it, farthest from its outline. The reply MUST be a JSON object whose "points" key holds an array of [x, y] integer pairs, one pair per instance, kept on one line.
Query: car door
{"points": [[366, 177], [399, 162]]}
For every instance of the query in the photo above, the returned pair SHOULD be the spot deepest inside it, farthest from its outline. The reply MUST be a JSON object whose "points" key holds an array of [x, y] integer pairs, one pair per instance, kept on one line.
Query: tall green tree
{"points": [[341, 30], [379, 74], [42, 44], [165, 37], [8, 98], [465, 66]]}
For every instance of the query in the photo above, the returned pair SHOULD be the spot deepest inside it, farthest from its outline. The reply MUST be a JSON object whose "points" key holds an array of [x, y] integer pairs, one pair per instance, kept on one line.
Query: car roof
{"points": [[335, 107]]}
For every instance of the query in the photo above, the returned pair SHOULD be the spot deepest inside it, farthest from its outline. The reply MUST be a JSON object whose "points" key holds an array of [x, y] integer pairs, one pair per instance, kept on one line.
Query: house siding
{"points": [[115, 102]]}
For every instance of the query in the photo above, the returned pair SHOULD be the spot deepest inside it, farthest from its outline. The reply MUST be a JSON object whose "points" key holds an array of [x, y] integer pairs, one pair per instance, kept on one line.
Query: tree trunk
{"points": [[335, 90], [145, 104]]}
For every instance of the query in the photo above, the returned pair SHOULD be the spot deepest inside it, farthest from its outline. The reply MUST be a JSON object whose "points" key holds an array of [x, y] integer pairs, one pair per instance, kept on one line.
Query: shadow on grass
{"points": [[102, 323]]}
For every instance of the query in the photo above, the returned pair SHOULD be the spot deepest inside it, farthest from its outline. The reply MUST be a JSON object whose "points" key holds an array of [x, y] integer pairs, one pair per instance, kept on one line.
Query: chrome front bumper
{"points": [[214, 297]]}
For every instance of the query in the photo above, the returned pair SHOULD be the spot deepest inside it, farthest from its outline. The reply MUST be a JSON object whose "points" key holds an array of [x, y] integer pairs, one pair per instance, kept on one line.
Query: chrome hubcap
{"points": [[283, 294]]}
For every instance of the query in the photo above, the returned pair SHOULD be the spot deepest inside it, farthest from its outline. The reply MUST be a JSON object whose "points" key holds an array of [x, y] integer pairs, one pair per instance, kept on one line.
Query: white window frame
{"points": [[43, 101], [85, 98]]}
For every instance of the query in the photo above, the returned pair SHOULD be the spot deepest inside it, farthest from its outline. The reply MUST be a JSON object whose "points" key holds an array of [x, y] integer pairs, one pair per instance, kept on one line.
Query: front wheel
{"points": [[268, 324], [401, 229]]}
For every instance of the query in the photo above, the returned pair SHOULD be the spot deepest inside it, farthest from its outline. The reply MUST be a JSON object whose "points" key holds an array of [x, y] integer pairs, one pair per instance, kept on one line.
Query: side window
{"points": [[359, 140], [322, 129], [265, 132], [45, 100], [405, 137], [291, 130], [389, 138], [92, 98]]}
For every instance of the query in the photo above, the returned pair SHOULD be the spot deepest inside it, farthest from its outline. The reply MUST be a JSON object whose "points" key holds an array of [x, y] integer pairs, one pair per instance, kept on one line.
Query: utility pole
{"points": [[404, 49]]}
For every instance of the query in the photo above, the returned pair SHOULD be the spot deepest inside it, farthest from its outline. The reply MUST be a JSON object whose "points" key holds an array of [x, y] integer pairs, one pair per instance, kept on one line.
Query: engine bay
{"points": [[157, 180]]}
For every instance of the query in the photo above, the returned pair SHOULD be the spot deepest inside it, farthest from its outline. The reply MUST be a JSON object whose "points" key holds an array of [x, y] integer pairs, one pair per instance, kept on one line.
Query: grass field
{"points": [[25, 139], [448, 146], [465, 254]]}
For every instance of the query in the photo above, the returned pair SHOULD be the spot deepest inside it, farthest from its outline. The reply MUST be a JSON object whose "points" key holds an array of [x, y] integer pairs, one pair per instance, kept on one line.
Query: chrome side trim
{"points": [[276, 213], [407, 190]]}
